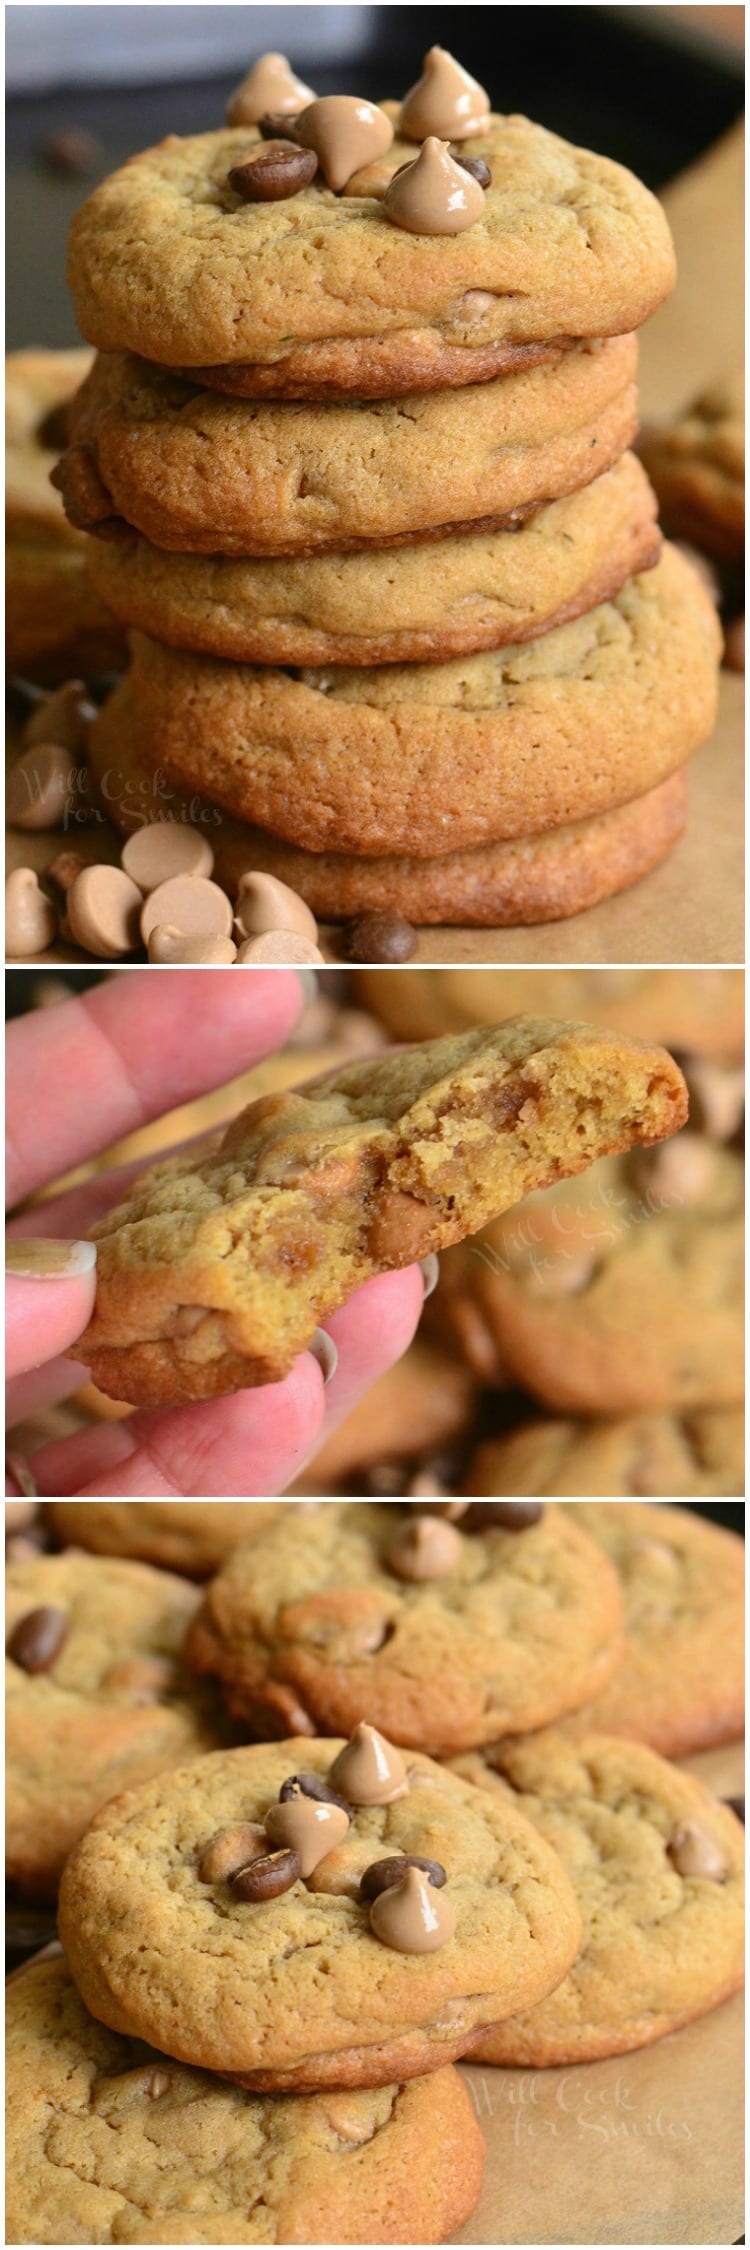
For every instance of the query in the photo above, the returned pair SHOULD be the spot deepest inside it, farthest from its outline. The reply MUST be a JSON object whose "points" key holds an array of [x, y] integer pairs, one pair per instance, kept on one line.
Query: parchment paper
{"points": [[639, 2149]]}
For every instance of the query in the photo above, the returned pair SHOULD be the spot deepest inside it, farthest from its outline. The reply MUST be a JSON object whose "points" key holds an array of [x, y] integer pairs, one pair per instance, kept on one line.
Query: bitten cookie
{"points": [[622, 1295], [213, 1274], [110, 2142], [325, 294], [170, 1940], [216, 476], [186, 1535], [96, 1698], [681, 1684], [541, 878], [55, 623], [357, 1609], [435, 758], [657, 1866]]}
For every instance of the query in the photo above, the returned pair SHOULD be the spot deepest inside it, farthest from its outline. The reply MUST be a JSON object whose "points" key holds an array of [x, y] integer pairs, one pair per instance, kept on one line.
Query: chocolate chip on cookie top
{"points": [[270, 86], [413, 1916], [37, 1639], [693, 1852], [436, 194], [427, 1547], [369, 1769], [445, 100]]}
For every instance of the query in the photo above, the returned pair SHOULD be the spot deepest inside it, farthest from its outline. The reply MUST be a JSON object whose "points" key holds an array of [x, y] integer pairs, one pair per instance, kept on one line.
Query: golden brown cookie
{"points": [[703, 1013], [166, 261], [96, 1698], [54, 622], [214, 1270], [382, 606], [190, 1535], [699, 1455], [680, 1686], [433, 758], [540, 878], [200, 474], [657, 1866], [163, 1951], [325, 1622], [697, 465], [618, 1295], [110, 2142]]}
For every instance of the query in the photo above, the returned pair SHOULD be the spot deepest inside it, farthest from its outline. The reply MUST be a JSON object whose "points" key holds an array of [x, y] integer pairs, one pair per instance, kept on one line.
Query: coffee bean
{"points": [[37, 1639], [381, 937], [737, 1806], [474, 165], [267, 1877], [313, 1785], [276, 127], [277, 172], [501, 1515], [22, 698], [383, 1873]]}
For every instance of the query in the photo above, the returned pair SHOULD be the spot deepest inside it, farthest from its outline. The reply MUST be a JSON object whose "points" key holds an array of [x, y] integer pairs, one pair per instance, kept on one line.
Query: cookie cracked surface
{"points": [[312, 1627], [110, 2142], [298, 1993], [212, 1275]]}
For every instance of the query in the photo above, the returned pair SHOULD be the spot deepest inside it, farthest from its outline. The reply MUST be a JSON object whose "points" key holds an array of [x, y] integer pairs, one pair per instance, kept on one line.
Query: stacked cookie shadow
{"points": [[275, 1952], [355, 467]]}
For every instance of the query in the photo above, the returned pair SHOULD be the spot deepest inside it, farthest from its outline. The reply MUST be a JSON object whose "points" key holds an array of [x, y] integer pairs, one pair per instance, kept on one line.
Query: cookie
{"points": [[701, 1014], [619, 1295], [392, 605], [110, 2142], [166, 261], [162, 1948], [213, 1272], [96, 1698], [680, 1686], [188, 1536], [541, 878], [206, 475], [697, 465], [701, 1456], [657, 1866], [436, 758], [421, 1404], [324, 1621], [55, 623]]}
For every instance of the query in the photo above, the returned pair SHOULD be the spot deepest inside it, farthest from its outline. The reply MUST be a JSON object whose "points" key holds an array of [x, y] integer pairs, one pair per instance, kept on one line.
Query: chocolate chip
{"points": [[267, 1877], [73, 155], [381, 937], [383, 1873], [22, 697], [737, 1806], [312, 1785], [473, 164], [278, 171], [276, 127], [37, 1639], [503, 1515]]}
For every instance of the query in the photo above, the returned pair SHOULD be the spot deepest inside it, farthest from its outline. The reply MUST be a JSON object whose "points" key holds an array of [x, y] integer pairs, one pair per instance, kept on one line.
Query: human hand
{"points": [[79, 1076]]}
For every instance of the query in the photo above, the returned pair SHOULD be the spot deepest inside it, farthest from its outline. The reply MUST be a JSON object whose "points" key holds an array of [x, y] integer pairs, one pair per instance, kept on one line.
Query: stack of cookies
{"points": [[354, 463], [431, 1849]]}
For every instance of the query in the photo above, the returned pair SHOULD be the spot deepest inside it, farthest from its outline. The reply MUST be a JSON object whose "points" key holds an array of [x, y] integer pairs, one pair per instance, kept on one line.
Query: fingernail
{"points": [[17, 1468], [36, 1260], [309, 983], [324, 1351], [430, 1270]]}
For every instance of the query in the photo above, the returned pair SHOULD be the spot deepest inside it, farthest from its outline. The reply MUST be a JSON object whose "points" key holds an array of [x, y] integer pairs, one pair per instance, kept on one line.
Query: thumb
{"points": [[49, 1298]]}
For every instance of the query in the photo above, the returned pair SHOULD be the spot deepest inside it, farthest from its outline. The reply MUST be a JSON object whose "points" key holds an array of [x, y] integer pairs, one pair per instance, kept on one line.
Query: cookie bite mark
{"points": [[309, 1193]]}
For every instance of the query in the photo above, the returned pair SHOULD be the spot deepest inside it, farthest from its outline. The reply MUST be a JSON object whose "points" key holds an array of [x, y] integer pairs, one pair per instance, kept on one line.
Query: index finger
{"points": [[84, 1073]]}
